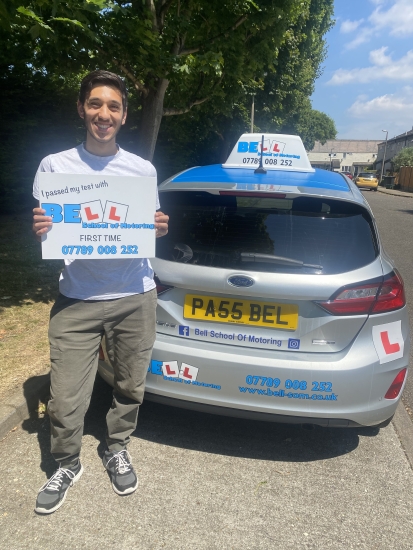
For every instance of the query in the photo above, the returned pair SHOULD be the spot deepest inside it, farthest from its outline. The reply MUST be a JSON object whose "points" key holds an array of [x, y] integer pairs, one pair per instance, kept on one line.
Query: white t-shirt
{"points": [[101, 279]]}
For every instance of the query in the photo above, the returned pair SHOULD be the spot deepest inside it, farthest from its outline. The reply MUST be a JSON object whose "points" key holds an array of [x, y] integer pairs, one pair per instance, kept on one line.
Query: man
{"points": [[116, 298]]}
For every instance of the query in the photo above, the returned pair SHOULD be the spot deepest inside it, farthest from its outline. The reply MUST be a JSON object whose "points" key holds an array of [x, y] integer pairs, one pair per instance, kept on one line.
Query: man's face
{"points": [[103, 114]]}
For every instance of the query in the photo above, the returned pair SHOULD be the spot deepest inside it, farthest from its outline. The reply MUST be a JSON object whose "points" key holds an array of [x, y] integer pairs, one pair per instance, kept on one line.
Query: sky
{"points": [[367, 83]]}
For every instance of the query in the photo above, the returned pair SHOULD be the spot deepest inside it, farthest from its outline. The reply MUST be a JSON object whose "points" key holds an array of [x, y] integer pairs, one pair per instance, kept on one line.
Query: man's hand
{"points": [[161, 224], [41, 223]]}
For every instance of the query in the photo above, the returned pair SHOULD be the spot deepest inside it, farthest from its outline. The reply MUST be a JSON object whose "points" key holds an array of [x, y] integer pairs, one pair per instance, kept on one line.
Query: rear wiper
{"points": [[271, 259]]}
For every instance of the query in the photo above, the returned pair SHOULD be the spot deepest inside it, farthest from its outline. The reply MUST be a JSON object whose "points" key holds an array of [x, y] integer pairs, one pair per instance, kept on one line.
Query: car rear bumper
{"points": [[252, 415], [367, 185], [106, 373], [331, 389]]}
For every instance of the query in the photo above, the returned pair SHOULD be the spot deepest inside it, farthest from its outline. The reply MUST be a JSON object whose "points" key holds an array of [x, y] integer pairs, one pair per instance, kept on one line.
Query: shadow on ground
{"points": [[406, 211], [210, 433]]}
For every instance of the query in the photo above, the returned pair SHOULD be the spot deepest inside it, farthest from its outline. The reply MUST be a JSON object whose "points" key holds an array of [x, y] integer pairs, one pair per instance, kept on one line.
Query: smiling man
{"points": [[103, 109], [115, 298]]}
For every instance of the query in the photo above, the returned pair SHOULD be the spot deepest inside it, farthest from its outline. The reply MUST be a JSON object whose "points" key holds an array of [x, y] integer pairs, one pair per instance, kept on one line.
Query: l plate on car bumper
{"points": [[239, 311]]}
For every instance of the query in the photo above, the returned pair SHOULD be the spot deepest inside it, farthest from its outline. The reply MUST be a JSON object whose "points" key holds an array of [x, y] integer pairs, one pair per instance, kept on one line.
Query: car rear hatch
{"points": [[366, 179], [266, 270]]}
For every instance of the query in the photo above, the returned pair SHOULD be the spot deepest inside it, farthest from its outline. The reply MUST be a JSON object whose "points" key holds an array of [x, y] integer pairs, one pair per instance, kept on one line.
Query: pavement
{"points": [[209, 482], [395, 192]]}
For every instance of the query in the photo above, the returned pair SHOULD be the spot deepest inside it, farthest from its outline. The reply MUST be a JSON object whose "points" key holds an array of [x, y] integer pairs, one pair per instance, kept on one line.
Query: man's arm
{"points": [[161, 224], [42, 223]]}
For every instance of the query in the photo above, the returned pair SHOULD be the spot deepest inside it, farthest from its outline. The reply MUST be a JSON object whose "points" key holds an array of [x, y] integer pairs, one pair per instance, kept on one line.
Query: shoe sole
{"points": [[127, 491], [45, 511]]}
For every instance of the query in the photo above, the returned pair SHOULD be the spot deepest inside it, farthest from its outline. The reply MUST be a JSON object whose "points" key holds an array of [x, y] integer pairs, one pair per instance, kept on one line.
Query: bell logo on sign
{"points": [[91, 212], [388, 341], [188, 372], [115, 212], [170, 368], [279, 152], [272, 146]]}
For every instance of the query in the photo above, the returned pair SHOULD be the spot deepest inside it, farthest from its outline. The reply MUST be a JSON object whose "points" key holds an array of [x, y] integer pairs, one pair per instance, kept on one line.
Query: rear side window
{"points": [[300, 235]]}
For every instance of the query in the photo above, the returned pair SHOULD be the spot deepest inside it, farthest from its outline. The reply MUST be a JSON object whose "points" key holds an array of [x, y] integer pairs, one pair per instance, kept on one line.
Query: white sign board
{"points": [[98, 217], [280, 152]]}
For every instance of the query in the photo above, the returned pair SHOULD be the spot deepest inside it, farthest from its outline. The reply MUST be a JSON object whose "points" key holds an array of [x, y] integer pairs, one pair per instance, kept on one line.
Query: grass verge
{"points": [[28, 288]]}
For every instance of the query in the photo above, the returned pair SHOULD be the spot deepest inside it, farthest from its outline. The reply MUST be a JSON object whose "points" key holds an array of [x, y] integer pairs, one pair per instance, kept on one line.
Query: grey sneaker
{"points": [[121, 472], [53, 493]]}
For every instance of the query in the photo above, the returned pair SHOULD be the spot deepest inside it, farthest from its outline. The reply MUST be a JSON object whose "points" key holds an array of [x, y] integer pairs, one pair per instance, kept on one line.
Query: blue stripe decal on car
{"points": [[215, 173]]}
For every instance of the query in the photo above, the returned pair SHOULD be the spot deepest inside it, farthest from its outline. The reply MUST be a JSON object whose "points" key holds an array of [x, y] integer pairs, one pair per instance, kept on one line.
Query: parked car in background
{"points": [[367, 180], [276, 300], [348, 174]]}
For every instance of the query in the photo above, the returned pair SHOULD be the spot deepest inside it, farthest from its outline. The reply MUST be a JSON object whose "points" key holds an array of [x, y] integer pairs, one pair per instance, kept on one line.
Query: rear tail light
{"points": [[368, 298], [396, 385], [161, 288], [391, 295], [352, 301]]}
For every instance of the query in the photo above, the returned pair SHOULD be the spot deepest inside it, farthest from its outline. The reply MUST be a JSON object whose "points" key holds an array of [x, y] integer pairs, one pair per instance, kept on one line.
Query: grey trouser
{"points": [[75, 332]]}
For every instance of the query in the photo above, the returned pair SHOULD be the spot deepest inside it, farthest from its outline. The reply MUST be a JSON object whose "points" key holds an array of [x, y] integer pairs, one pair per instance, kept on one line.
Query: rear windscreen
{"points": [[367, 175], [300, 235]]}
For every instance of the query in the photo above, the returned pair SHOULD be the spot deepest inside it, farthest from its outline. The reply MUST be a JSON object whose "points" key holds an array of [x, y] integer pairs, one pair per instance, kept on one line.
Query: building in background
{"points": [[344, 155], [394, 146]]}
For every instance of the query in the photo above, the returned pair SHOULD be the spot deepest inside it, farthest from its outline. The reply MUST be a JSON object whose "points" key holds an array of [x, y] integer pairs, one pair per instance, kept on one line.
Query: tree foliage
{"points": [[404, 158], [311, 126], [283, 103], [281, 91], [178, 54], [38, 117], [199, 59]]}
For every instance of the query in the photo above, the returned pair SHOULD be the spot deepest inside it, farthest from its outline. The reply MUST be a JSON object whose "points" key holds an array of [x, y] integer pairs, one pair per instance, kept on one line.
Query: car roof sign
{"points": [[280, 152]]}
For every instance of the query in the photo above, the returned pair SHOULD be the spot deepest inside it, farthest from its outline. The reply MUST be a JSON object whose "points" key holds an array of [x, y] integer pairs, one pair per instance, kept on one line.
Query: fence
{"points": [[406, 178]]}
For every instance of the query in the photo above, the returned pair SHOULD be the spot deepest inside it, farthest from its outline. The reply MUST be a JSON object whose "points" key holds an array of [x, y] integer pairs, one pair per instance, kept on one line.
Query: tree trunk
{"points": [[152, 112]]}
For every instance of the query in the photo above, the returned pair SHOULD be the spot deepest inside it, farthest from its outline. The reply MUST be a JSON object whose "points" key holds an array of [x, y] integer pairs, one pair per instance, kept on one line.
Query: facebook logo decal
{"points": [[183, 330]]}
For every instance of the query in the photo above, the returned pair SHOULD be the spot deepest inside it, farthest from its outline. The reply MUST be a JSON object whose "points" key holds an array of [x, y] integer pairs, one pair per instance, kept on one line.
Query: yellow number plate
{"points": [[242, 312]]}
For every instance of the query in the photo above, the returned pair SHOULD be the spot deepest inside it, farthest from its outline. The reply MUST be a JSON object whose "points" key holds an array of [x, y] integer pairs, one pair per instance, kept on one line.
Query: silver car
{"points": [[276, 300]]}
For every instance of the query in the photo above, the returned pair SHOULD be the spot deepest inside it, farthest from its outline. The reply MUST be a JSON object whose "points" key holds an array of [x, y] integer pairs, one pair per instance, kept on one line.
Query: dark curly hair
{"points": [[102, 78]]}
